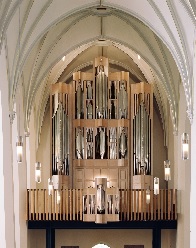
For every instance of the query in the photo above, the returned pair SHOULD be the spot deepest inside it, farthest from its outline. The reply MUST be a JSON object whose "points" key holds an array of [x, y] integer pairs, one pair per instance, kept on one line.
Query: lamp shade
{"points": [[147, 196], [38, 172], [58, 196], [185, 146], [19, 146], [50, 186], [167, 170], [156, 185]]}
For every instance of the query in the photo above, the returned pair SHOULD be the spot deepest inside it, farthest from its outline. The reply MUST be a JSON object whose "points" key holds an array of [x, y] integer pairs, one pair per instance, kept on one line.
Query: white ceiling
{"points": [[50, 29]]}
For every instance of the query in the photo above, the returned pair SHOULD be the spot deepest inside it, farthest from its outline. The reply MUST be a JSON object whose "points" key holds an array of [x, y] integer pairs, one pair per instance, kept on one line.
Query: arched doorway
{"points": [[100, 246]]}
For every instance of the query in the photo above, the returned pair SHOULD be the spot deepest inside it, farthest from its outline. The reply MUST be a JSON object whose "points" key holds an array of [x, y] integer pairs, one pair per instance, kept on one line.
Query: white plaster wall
{"points": [[36, 238], [32, 152], [173, 182], [193, 167], [183, 170], [19, 173], [7, 231], [168, 239], [112, 238], [159, 151], [43, 152]]}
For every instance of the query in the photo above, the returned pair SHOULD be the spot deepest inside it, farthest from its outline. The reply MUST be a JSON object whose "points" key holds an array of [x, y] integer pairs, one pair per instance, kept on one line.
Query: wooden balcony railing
{"points": [[132, 205]]}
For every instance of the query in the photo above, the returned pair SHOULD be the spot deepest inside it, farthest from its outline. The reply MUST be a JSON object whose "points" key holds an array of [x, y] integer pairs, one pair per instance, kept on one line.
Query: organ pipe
{"points": [[141, 100], [101, 93], [60, 133], [123, 101]]}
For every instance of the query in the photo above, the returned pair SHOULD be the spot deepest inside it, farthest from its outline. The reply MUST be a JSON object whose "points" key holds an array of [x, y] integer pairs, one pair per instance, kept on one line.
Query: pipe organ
{"points": [[102, 127], [142, 133], [60, 133]]}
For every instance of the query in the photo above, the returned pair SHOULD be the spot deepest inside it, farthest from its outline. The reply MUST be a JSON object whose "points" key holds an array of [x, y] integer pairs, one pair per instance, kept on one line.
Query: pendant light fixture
{"points": [[58, 196], [185, 146], [38, 172], [147, 196], [19, 145], [156, 185], [50, 186], [167, 170]]}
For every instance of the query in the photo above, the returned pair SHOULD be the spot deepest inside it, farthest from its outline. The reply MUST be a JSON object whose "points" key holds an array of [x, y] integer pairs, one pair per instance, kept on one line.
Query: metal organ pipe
{"points": [[101, 93], [123, 99], [60, 135], [141, 136]]}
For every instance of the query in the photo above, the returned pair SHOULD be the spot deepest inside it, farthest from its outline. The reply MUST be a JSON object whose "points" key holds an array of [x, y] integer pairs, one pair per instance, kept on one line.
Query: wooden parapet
{"points": [[132, 205]]}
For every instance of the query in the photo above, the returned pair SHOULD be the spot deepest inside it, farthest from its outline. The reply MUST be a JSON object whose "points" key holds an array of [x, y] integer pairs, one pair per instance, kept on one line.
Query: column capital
{"points": [[12, 115]]}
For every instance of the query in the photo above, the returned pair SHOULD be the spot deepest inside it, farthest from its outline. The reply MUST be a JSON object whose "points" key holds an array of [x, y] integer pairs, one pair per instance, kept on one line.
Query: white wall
{"points": [[43, 152], [159, 151], [183, 172], [168, 238], [36, 238], [112, 238], [7, 228]]}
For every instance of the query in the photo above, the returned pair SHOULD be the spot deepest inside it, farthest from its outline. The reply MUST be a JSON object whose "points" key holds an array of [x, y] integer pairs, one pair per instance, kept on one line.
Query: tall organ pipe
{"points": [[141, 139], [60, 137], [101, 93]]}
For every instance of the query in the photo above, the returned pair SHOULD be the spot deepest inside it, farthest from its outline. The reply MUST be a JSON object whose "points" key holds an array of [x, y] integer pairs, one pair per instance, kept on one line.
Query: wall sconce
{"points": [[58, 196], [19, 145], [167, 170], [156, 185], [50, 186], [147, 196], [185, 146], [38, 172]]}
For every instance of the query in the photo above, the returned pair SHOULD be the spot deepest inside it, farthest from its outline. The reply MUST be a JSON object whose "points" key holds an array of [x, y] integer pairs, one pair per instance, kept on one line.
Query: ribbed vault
{"points": [[80, 31]]}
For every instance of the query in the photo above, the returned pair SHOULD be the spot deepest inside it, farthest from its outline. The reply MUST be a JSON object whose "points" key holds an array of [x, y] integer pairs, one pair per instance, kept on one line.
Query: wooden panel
{"points": [[162, 206], [32, 201], [74, 203], [64, 201], [79, 178], [81, 199], [151, 203], [142, 182], [133, 246], [69, 246], [67, 203], [159, 205], [97, 173], [88, 174], [113, 174], [142, 203], [175, 203], [169, 204], [132, 205]]}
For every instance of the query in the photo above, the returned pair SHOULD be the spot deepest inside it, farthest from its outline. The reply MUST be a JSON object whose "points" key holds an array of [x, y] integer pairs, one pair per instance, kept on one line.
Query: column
{"points": [[7, 230]]}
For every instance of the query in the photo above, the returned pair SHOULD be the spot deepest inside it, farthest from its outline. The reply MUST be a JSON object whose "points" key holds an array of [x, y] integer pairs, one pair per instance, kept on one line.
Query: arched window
{"points": [[100, 246]]}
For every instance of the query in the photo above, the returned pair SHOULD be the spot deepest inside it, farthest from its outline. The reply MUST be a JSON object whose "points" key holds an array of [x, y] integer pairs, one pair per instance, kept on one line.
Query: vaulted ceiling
{"points": [[81, 30]]}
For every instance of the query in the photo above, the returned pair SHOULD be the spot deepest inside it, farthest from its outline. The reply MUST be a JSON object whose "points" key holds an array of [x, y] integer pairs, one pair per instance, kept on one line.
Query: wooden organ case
{"points": [[61, 138], [141, 136], [101, 138], [101, 126]]}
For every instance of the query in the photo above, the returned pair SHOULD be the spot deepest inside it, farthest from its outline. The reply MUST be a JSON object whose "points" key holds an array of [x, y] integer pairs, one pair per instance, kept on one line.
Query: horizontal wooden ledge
{"points": [[101, 123], [161, 224], [100, 163]]}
